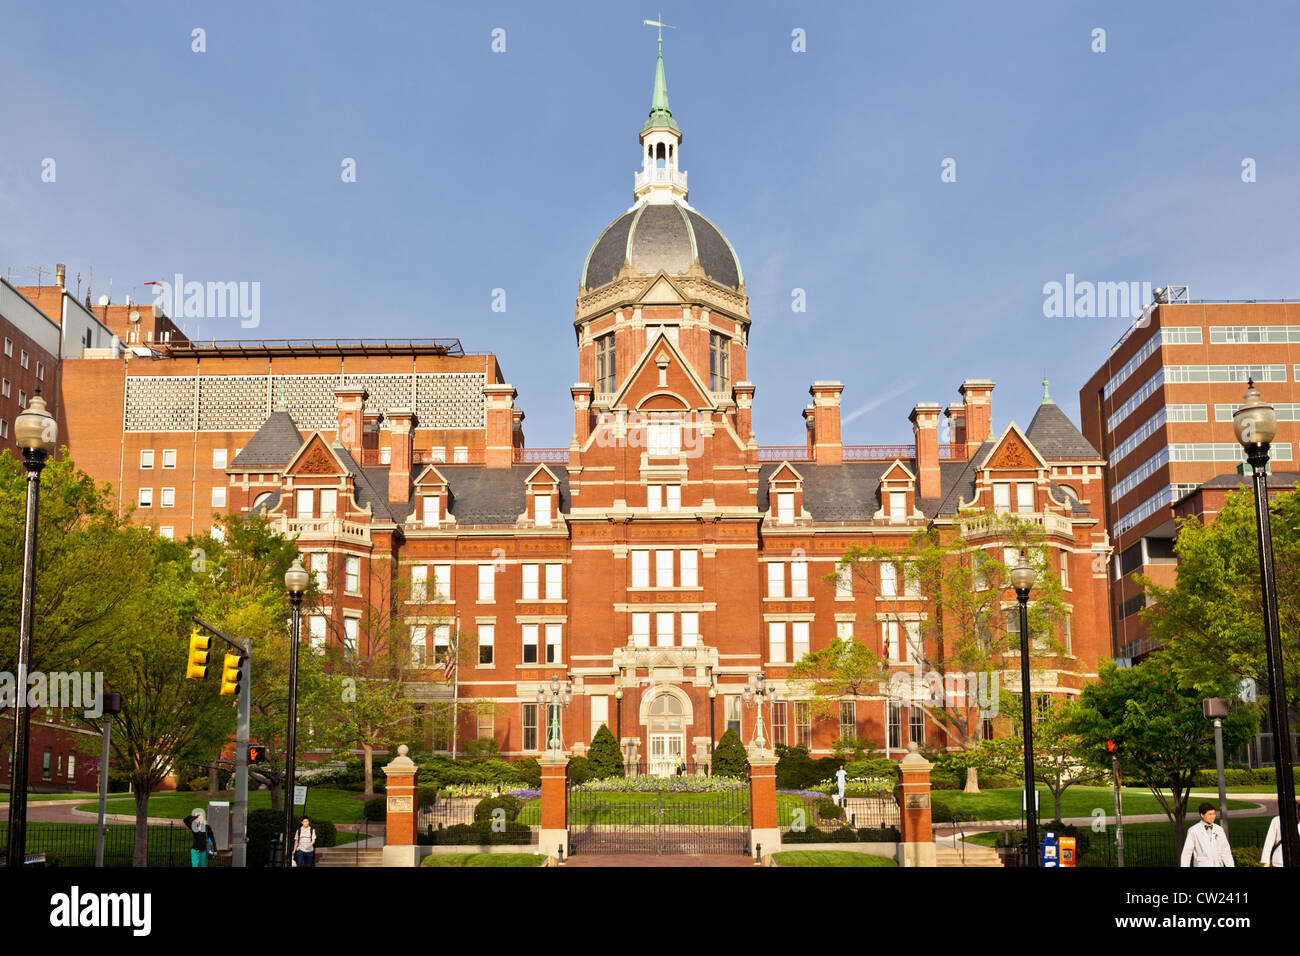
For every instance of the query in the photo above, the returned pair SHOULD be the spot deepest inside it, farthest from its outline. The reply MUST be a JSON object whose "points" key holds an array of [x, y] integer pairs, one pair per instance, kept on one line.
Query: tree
{"points": [[1157, 721], [729, 757], [604, 759], [844, 668], [1211, 619], [1060, 755], [78, 538], [953, 608]]}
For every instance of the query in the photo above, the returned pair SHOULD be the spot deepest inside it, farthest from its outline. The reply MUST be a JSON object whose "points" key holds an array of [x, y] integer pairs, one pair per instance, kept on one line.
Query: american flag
{"points": [[449, 662]]}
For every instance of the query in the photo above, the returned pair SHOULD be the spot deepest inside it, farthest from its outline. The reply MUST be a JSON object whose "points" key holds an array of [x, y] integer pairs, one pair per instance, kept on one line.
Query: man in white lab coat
{"points": [[1206, 844], [1272, 853]]}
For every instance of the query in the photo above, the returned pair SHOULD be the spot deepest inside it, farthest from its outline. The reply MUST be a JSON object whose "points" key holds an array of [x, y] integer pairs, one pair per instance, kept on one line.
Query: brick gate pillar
{"points": [[399, 834], [554, 835], [917, 846], [764, 822]]}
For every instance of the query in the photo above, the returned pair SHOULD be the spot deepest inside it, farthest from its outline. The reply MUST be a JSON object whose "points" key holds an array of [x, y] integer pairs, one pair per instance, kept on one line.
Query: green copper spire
{"points": [[660, 114], [1047, 399]]}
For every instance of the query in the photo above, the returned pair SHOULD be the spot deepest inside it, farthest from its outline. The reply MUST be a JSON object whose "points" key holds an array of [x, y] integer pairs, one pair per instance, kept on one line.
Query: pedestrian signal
{"points": [[198, 659]]}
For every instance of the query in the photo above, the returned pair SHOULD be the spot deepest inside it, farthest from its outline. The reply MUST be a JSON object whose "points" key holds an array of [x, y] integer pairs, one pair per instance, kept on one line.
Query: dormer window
{"points": [[432, 511], [542, 510], [785, 507], [897, 507]]}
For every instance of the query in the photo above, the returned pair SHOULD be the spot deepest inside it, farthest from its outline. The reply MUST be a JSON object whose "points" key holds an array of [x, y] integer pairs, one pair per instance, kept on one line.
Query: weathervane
{"points": [[660, 24]]}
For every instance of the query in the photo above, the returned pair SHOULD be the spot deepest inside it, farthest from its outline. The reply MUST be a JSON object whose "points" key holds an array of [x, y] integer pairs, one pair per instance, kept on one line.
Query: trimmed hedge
{"points": [[477, 834], [376, 809], [484, 809], [814, 835], [827, 810], [729, 757]]}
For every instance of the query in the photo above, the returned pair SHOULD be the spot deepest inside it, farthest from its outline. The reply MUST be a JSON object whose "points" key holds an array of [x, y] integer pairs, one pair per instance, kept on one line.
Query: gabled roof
{"points": [[1010, 443], [272, 447], [851, 491], [482, 495], [660, 343], [1055, 436]]}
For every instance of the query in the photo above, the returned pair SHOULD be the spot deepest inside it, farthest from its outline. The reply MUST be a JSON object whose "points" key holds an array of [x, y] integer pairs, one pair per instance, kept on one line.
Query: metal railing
{"points": [[73, 844], [537, 456]]}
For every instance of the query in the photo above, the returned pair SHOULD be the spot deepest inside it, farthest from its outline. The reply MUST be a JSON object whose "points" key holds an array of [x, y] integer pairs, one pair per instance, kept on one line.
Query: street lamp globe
{"points": [[618, 694], [35, 428], [1022, 579], [1255, 422], [295, 579]]}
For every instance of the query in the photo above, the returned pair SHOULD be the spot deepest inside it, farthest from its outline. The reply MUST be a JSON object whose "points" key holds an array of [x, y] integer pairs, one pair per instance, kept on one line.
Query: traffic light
{"points": [[232, 670], [198, 660], [256, 753]]}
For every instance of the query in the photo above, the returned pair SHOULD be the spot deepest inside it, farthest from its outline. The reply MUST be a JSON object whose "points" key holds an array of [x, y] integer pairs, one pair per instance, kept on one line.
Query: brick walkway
{"points": [[651, 859]]}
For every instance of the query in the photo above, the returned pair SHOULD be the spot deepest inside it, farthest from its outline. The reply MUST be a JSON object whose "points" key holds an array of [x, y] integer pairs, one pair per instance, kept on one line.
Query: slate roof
{"points": [[851, 491], [1234, 480], [1055, 436], [271, 447], [482, 495]]}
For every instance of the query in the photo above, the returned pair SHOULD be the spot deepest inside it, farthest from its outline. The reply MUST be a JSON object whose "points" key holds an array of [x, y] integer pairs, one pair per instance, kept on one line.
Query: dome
{"points": [[661, 236]]}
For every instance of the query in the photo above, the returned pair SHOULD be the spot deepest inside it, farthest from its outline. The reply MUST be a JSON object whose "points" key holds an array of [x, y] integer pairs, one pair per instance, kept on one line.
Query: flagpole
{"points": [[455, 687]]}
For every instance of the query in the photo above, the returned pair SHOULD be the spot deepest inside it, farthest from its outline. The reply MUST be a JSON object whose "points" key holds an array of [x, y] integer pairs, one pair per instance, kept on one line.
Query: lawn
{"points": [[337, 806], [73, 844], [484, 859], [668, 809], [1077, 802], [830, 858]]}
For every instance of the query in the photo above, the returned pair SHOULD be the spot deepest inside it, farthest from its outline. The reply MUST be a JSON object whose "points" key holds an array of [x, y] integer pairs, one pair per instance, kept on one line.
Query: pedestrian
{"points": [[304, 845], [1206, 844], [840, 779], [205, 843], [1272, 853]]}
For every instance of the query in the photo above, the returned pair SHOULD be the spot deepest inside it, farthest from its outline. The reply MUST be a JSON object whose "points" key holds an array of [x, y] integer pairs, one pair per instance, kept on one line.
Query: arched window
{"points": [[666, 715]]}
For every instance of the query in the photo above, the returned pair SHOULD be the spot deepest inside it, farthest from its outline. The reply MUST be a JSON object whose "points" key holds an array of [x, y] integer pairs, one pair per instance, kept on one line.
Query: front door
{"points": [[666, 752]]}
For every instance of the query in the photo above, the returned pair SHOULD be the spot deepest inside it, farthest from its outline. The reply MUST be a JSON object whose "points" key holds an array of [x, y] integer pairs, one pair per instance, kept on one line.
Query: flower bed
{"points": [[671, 784], [857, 787], [456, 791]]}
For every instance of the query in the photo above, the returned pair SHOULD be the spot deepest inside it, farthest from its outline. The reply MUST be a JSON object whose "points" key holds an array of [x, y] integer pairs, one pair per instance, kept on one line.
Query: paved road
{"points": [[652, 860]]}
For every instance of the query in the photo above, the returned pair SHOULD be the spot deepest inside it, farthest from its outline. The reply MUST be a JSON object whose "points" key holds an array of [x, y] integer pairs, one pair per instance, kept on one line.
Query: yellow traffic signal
{"points": [[198, 661], [231, 672]]}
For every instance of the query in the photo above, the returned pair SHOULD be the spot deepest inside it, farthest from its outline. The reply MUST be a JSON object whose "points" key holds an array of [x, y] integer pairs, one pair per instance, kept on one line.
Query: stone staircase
{"points": [[948, 855], [349, 855]]}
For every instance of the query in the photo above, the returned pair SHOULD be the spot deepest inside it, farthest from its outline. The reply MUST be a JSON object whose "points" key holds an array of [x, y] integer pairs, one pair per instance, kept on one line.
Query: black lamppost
{"points": [[36, 432], [1255, 425], [1022, 579], [295, 580]]}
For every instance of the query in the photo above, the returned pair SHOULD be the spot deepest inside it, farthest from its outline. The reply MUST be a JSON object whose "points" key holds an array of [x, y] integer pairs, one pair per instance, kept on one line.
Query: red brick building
{"points": [[659, 562]]}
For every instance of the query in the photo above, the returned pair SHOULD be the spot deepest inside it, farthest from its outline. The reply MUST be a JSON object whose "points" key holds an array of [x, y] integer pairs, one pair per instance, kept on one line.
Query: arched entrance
{"points": [[666, 726]]}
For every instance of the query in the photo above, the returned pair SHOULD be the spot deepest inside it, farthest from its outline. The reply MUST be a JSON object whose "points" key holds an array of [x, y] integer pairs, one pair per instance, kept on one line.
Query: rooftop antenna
{"points": [[660, 24], [40, 271]]}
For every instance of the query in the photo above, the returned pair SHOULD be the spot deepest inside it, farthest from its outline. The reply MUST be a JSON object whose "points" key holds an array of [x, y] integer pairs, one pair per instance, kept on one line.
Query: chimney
{"points": [[810, 425], [582, 395], [925, 425], [956, 414], [744, 392], [401, 426], [517, 421], [827, 447], [60, 274], [350, 400], [978, 395], [370, 437], [499, 402]]}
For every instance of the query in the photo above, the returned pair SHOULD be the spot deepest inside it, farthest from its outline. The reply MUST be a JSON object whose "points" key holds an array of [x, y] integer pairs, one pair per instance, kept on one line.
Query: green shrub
{"points": [[879, 835], [119, 781], [481, 833], [484, 809], [729, 759], [528, 772], [1245, 856], [262, 825], [480, 748], [428, 795], [827, 810], [327, 834], [376, 809], [604, 759], [578, 770]]}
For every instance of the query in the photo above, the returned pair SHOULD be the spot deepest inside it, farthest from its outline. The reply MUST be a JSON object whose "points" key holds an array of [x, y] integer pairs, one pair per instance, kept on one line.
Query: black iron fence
{"points": [[450, 822], [73, 844], [1142, 848], [659, 821]]}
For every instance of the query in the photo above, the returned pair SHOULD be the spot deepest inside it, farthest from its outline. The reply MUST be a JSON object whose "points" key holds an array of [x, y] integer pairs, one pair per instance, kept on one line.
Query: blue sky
{"points": [[479, 170]]}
